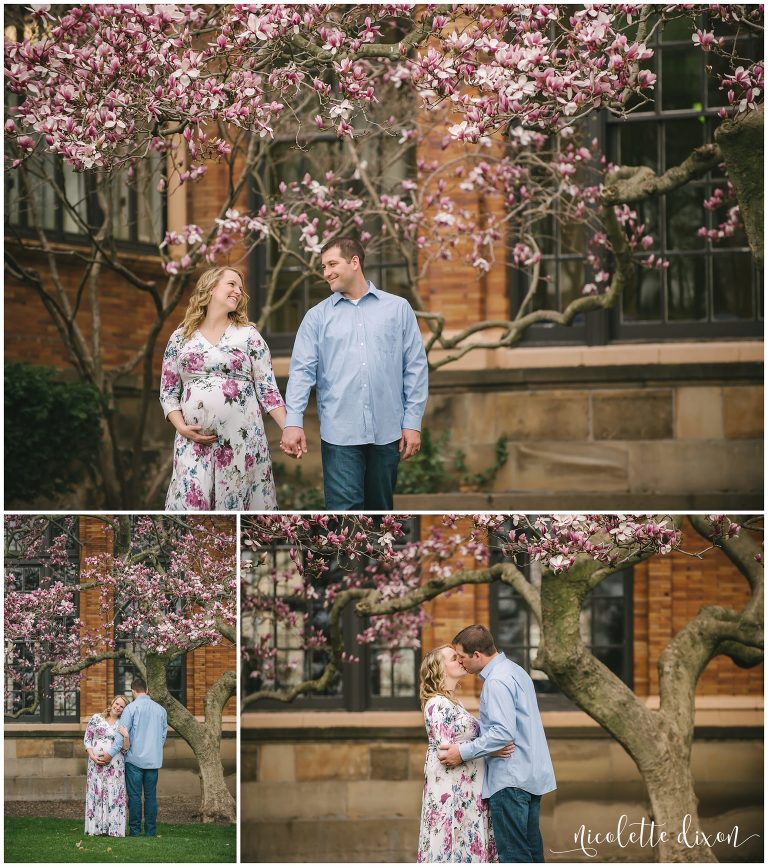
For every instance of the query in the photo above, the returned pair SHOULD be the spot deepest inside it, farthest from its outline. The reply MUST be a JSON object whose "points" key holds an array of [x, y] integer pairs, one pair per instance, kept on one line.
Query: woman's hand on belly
{"points": [[190, 431]]}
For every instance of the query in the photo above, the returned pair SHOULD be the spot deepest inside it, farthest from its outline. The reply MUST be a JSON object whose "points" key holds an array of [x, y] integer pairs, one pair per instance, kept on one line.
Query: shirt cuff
{"points": [[412, 422], [465, 750], [294, 419]]}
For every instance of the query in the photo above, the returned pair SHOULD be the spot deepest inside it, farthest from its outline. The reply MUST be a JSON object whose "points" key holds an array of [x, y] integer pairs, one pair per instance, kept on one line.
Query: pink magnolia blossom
{"points": [[171, 602]]}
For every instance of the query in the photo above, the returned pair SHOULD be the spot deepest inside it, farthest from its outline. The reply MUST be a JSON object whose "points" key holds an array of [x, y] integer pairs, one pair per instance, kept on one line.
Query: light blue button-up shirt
{"points": [[368, 364], [147, 724], [509, 712]]}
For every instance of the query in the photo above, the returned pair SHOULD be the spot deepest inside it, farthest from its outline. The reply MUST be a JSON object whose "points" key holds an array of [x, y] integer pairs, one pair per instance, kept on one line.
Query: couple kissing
{"points": [[483, 781]]}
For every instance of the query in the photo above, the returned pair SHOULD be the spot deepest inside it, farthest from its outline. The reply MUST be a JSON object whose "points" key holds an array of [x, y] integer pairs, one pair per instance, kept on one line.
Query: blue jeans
{"points": [[515, 819], [137, 779], [358, 478]]}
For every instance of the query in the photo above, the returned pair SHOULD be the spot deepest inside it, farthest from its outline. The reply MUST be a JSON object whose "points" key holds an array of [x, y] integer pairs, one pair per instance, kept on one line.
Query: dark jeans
{"points": [[137, 779], [515, 818], [358, 478]]}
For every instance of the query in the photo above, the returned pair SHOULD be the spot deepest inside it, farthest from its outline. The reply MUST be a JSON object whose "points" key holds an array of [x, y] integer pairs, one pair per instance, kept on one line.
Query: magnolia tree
{"points": [[433, 132], [360, 563], [167, 587]]}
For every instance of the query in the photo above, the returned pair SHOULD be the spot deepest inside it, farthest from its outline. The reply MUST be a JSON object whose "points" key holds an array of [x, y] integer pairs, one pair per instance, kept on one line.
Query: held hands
{"points": [[505, 752], [449, 755], [410, 443], [294, 442], [123, 731]]}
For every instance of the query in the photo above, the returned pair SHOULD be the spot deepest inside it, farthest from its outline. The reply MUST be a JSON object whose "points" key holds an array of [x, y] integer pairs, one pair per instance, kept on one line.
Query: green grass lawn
{"points": [[52, 840]]}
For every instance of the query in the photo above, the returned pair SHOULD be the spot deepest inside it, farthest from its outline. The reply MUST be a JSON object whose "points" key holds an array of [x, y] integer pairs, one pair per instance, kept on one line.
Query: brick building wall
{"points": [[668, 592], [453, 288]]}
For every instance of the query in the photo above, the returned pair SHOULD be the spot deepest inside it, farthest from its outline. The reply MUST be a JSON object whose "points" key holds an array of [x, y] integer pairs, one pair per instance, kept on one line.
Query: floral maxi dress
{"points": [[220, 387], [105, 798], [455, 820]]}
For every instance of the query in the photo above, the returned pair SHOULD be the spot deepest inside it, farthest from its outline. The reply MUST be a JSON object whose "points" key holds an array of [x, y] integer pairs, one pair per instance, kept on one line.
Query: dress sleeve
{"points": [[262, 373], [90, 733], [440, 719], [170, 379]]}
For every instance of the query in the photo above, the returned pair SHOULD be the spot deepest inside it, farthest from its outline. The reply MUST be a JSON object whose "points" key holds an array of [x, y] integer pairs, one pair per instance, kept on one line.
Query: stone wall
{"points": [[675, 436], [356, 796], [47, 764], [604, 436]]}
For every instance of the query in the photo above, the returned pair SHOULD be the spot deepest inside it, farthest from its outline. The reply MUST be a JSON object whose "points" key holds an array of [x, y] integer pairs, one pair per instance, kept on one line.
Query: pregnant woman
{"points": [[105, 797], [217, 373], [455, 821]]}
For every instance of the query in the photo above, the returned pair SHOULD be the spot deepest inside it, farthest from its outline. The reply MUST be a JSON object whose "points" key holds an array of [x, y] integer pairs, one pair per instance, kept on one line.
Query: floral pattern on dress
{"points": [[105, 796], [222, 388], [455, 820]]}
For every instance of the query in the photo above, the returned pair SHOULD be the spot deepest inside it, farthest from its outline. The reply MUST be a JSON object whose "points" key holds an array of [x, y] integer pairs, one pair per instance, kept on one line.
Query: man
{"points": [[362, 350], [508, 712], [147, 724]]}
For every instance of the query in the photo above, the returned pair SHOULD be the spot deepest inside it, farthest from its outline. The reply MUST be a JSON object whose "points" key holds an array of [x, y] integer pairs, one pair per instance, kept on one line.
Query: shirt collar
{"points": [[372, 290], [492, 664]]}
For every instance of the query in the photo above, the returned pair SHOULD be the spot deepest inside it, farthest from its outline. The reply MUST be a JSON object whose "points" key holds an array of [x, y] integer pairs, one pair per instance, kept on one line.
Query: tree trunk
{"points": [[666, 770], [111, 487], [660, 751], [742, 146], [217, 804]]}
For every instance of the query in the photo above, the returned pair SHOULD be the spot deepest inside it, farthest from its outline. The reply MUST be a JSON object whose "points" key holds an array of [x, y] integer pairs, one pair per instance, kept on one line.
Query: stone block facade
{"points": [[364, 799], [49, 763]]}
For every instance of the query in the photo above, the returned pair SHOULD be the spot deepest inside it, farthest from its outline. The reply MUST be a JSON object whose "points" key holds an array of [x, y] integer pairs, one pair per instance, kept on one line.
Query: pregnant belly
{"points": [[101, 748], [218, 403]]}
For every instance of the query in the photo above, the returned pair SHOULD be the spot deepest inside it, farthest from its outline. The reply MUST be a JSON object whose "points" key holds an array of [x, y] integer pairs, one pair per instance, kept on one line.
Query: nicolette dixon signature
{"points": [[647, 833]]}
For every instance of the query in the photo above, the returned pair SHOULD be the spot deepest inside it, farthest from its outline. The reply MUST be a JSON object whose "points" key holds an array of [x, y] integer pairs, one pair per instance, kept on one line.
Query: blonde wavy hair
{"points": [[201, 296], [108, 711], [432, 676]]}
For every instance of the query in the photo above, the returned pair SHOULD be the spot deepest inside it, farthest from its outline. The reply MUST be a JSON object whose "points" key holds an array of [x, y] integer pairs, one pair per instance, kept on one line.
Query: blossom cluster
{"points": [[504, 87], [171, 589], [325, 555]]}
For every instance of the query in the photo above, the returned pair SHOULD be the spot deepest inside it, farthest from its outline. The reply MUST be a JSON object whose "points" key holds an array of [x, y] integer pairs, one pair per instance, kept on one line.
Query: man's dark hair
{"points": [[139, 684], [348, 247], [476, 638]]}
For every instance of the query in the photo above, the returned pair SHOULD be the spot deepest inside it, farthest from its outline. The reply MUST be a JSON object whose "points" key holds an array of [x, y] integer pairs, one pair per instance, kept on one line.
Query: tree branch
{"points": [[627, 185]]}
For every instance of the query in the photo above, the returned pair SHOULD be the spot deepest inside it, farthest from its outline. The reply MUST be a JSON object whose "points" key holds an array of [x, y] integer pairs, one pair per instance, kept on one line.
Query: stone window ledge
{"points": [[715, 716], [35, 729], [691, 352]]}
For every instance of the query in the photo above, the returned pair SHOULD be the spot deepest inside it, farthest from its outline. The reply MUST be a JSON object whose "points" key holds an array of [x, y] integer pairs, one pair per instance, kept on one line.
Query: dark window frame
{"points": [[556, 700], [92, 212], [355, 694], [602, 327], [260, 270], [46, 712]]}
